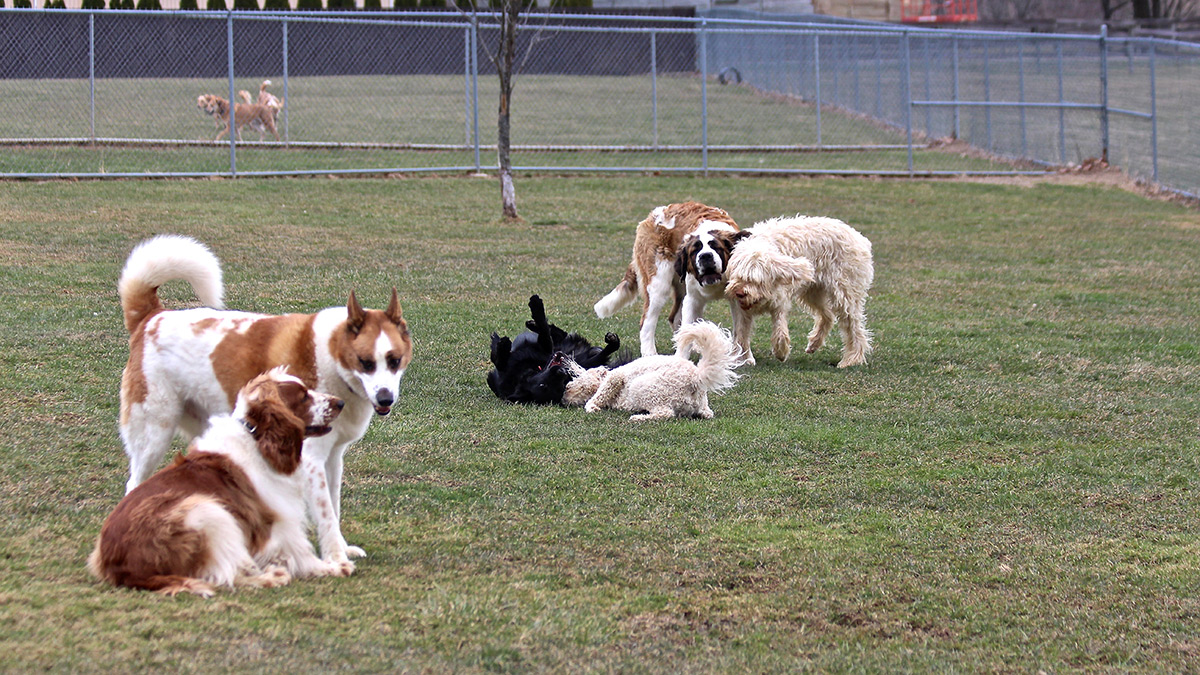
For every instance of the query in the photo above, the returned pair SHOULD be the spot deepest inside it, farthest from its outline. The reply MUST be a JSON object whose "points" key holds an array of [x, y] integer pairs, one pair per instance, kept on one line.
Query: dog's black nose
{"points": [[340, 403], [384, 398]]}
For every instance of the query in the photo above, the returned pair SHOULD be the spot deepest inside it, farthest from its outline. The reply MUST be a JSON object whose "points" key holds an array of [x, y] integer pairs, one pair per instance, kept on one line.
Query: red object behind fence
{"points": [[938, 11]]}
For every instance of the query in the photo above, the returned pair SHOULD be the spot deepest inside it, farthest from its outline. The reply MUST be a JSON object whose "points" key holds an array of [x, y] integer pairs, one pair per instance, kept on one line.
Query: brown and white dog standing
{"points": [[264, 98], [230, 512], [679, 255], [821, 262], [187, 365], [253, 114]]}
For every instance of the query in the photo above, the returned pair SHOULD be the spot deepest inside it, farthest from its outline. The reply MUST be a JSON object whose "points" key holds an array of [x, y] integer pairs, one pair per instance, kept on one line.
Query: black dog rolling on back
{"points": [[524, 372]]}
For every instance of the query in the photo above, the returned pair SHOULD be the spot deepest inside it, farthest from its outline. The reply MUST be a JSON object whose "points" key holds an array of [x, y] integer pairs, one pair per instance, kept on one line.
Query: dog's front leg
{"points": [[743, 328], [501, 348], [693, 302], [781, 339], [658, 292], [611, 344], [296, 554], [607, 393], [537, 310], [320, 509], [333, 472]]}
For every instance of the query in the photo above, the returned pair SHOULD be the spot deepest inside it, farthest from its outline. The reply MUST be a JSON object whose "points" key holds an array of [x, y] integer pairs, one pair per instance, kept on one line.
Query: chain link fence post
{"points": [[1104, 92], [817, 81], [908, 99], [654, 88], [92, 76], [286, 97], [704, 95], [1153, 114], [232, 99]]}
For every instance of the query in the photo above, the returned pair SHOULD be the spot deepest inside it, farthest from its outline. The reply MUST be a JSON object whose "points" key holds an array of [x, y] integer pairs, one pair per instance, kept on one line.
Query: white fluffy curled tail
{"points": [[719, 355], [164, 258]]}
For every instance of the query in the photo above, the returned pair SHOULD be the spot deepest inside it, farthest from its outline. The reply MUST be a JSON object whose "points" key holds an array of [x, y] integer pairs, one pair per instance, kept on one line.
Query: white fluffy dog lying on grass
{"points": [[823, 263], [661, 386]]}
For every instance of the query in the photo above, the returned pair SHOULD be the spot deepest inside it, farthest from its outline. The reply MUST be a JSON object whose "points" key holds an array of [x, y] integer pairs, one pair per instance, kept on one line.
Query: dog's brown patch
{"points": [[262, 345], [134, 387]]}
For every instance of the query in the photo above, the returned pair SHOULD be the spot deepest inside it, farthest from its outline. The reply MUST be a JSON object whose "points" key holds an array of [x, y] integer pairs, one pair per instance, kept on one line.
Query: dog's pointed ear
{"points": [[355, 316], [393, 311]]}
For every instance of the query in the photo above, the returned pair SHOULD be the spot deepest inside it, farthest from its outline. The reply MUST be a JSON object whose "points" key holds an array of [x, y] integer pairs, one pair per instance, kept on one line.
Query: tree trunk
{"points": [[504, 64]]}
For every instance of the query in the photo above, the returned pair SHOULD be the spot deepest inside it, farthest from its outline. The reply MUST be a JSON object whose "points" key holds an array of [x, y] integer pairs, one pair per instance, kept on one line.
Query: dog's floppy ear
{"points": [[681, 259], [738, 236], [278, 431], [355, 316], [796, 270]]}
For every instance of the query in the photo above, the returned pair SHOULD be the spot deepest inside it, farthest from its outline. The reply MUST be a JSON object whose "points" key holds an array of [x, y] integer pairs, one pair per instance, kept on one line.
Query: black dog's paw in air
{"points": [[529, 368]]}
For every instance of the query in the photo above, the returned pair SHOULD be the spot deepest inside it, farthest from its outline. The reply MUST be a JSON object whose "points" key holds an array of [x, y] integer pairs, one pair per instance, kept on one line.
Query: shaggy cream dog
{"points": [[663, 386], [822, 262]]}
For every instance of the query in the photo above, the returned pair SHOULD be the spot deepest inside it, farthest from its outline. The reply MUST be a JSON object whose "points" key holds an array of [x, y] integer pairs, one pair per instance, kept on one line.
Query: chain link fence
{"points": [[115, 93]]}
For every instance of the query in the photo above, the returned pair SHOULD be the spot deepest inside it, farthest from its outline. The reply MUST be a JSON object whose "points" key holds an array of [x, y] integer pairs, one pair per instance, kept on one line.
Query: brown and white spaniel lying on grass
{"points": [[231, 511]]}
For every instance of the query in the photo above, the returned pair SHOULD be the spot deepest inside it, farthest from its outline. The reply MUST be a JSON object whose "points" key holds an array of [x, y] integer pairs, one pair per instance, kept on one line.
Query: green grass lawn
{"points": [[1009, 485]]}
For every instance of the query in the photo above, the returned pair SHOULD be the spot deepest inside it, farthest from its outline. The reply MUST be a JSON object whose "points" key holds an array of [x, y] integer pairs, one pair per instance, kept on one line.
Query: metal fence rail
{"points": [[114, 93]]}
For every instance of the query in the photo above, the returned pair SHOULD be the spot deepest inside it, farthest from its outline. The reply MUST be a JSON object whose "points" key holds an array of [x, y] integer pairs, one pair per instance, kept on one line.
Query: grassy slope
{"points": [[1010, 484]]}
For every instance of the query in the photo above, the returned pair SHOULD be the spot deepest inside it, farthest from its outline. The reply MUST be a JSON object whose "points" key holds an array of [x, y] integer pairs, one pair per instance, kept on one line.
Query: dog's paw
{"points": [[591, 407], [781, 347], [355, 552], [334, 568], [531, 325], [612, 339], [275, 576]]}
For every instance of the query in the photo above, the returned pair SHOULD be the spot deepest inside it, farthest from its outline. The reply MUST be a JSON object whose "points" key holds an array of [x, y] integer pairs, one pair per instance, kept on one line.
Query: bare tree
{"points": [[507, 14], [1111, 7], [1163, 9], [510, 14]]}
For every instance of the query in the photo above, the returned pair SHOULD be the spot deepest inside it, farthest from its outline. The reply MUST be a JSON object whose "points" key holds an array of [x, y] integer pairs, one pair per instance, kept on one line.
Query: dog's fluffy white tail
{"points": [[719, 355], [156, 261], [620, 296]]}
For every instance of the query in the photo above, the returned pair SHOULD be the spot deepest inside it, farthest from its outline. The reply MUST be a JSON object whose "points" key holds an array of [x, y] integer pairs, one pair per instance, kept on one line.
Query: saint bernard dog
{"points": [[187, 365], [231, 511], [679, 256]]}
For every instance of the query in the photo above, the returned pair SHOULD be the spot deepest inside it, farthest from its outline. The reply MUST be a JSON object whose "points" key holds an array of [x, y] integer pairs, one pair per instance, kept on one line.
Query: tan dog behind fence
{"points": [[256, 115]]}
